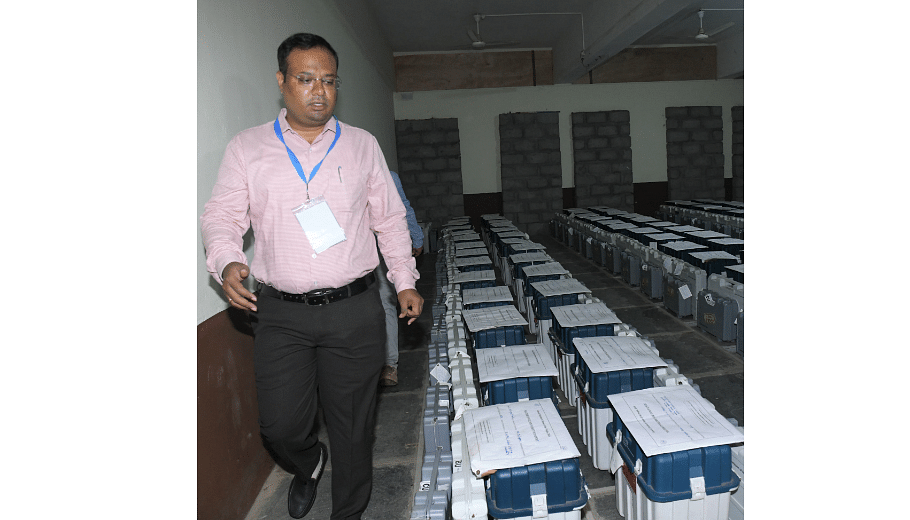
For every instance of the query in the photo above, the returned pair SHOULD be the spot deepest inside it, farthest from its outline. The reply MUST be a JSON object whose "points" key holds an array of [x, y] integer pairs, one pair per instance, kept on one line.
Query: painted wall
{"points": [[478, 120], [236, 86], [730, 59]]}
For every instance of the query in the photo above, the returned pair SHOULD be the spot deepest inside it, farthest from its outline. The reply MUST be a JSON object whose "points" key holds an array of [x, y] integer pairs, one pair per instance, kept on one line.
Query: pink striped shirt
{"points": [[258, 185]]}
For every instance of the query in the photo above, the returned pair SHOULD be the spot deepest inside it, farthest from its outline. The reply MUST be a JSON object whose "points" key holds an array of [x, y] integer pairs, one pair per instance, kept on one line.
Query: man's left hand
{"points": [[411, 304]]}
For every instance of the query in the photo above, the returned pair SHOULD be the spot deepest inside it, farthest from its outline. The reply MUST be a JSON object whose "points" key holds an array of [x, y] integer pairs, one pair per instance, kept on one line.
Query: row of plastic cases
{"points": [[580, 373], [512, 390], [508, 492], [718, 309], [652, 233], [708, 250], [595, 415], [503, 493], [664, 489], [720, 216]]}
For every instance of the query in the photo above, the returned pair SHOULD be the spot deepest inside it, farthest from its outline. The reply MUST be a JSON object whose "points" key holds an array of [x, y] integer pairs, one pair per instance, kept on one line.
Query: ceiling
{"points": [[579, 42]]}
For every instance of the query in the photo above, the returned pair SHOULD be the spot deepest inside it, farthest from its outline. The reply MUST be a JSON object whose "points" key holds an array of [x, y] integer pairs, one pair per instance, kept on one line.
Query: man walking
{"points": [[314, 190]]}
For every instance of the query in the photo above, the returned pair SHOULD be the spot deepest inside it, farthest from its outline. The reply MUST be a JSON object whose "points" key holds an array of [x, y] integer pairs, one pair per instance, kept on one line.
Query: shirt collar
{"points": [[285, 127]]}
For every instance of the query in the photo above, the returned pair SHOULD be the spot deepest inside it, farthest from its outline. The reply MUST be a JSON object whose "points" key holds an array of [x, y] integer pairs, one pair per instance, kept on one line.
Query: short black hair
{"points": [[303, 41]]}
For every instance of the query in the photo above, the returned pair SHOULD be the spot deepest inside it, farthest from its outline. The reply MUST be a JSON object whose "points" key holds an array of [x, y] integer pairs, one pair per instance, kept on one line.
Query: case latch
{"points": [[615, 457], [698, 487], [539, 498]]}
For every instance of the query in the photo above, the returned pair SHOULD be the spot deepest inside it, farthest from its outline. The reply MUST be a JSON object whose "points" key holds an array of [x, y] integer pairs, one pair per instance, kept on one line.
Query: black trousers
{"points": [[335, 352]]}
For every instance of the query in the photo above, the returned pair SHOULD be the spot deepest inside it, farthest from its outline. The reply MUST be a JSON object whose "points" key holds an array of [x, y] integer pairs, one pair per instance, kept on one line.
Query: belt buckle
{"points": [[317, 297], [317, 300]]}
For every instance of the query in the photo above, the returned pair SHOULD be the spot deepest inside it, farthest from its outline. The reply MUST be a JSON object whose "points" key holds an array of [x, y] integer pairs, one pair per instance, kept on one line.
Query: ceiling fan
{"points": [[703, 36], [477, 43]]}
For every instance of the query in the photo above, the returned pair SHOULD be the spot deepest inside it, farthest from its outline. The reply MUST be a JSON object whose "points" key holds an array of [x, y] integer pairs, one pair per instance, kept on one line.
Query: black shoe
{"points": [[302, 493]]}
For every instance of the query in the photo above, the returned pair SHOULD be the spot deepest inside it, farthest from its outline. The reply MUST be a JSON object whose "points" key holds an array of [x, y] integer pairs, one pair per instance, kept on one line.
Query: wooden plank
{"points": [[418, 72], [659, 64]]}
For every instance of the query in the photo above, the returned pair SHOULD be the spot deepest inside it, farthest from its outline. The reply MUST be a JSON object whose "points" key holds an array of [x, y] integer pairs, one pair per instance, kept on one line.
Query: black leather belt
{"points": [[322, 296]]}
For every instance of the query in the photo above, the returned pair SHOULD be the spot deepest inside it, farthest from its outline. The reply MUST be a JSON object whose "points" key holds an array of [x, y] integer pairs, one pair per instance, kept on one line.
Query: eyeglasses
{"points": [[309, 82]]}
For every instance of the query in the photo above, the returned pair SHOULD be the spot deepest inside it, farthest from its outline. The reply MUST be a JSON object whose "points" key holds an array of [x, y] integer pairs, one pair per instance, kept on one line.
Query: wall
{"points": [[730, 59], [485, 72], [231, 461], [737, 151], [531, 163], [237, 89], [603, 159], [695, 152], [478, 113], [429, 164]]}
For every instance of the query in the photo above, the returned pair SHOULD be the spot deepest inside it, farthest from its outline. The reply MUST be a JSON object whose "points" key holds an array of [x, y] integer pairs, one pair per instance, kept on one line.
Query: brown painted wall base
{"points": [[477, 204], [568, 198], [232, 463], [649, 196]]}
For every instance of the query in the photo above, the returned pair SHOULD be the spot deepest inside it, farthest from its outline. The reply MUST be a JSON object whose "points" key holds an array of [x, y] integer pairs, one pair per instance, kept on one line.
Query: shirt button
{"points": [[314, 255]]}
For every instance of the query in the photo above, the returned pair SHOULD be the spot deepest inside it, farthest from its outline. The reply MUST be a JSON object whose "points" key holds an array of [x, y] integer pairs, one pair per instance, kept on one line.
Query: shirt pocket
{"points": [[347, 191]]}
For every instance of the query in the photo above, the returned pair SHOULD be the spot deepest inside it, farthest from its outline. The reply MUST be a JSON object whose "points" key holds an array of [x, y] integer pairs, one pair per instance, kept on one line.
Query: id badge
{"points": [[319, 224]]}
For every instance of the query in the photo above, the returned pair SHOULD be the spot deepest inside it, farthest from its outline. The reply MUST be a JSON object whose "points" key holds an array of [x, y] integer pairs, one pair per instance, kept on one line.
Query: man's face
{"points": [[309, 106]]}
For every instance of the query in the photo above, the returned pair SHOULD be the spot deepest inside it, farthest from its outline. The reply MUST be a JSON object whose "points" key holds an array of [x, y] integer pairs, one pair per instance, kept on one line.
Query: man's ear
{"points": [[280, 77]]}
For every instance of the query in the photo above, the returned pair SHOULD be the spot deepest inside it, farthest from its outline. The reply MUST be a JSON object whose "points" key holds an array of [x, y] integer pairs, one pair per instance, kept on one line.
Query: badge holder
{"points": [[319, 224]]}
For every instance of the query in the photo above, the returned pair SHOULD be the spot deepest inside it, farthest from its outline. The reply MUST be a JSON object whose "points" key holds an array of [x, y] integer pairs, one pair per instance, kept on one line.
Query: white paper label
{"points": [[685, 292], [613, 353], [676, 418], [440, 373], [492, 318], [516, 434], [497, 364], [583, 314]]}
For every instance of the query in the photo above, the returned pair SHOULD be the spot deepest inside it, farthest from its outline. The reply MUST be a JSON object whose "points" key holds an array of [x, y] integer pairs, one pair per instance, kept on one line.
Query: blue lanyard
{"points": [[293, 157]]}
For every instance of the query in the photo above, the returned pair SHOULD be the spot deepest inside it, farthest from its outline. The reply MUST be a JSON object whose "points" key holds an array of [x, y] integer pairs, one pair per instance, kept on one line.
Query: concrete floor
{"points": [[712, 365]]}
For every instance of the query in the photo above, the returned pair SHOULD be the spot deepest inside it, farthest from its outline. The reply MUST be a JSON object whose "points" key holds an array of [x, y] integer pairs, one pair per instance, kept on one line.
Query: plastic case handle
{"points": [[615, 457], [697, 484], [524, 392], [539, 497]]}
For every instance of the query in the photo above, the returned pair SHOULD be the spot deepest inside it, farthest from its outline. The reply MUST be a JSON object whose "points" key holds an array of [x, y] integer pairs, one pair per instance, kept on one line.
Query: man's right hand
{"points": [[238, 296]]}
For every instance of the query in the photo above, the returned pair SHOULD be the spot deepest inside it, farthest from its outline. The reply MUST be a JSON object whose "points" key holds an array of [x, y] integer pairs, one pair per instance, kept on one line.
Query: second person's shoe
{"points": [[389, 376]]}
